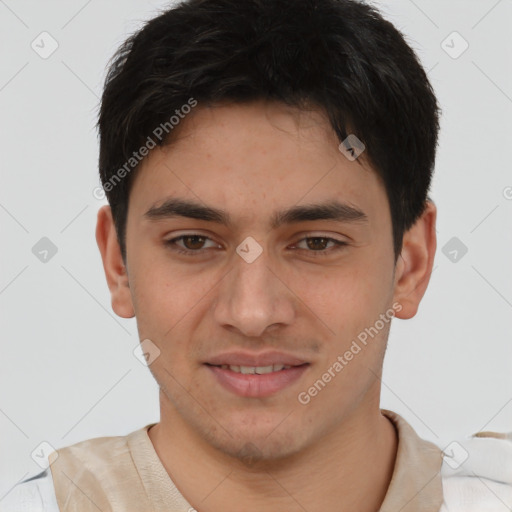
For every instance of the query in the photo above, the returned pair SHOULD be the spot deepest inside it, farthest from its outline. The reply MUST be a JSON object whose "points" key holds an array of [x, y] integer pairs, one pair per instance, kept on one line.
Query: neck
{"points": [[350, 468]]}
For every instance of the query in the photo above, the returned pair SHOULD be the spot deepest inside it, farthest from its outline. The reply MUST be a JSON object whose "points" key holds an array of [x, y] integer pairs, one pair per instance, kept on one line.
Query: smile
{"points": [[250, 370], [256, 381]]}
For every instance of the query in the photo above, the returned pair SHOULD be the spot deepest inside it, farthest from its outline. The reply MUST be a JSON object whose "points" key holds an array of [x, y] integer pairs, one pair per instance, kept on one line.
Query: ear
{"points": [[414, 265], [115, 270]]}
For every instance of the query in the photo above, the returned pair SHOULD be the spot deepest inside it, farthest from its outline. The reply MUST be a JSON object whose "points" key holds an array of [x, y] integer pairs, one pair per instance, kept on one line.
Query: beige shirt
{"points": [[124, 474]]}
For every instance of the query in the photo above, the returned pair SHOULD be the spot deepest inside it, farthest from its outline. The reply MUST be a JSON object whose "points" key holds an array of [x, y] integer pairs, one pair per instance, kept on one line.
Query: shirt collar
{"points": [[416, 484]]}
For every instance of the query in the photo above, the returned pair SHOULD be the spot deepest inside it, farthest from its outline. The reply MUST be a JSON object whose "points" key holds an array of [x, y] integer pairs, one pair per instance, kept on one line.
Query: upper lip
{"points": [[259, 359]]}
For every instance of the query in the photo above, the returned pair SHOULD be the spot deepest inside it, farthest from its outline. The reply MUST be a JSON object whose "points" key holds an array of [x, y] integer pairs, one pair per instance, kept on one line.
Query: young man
{"points": [[267, 165]]}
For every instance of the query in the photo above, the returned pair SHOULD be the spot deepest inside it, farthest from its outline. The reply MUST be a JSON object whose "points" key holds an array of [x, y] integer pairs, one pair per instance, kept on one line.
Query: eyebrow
{"points": [[330, 210]]}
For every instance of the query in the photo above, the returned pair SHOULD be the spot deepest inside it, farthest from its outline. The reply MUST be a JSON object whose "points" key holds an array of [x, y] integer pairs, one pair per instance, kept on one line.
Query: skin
{"points": [[230, 453]]}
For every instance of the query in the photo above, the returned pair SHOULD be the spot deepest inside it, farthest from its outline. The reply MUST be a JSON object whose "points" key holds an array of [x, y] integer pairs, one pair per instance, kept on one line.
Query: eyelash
{"points": [[339, 245]]}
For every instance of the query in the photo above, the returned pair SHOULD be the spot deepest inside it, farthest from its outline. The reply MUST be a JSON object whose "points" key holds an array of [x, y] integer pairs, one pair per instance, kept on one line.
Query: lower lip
{"points": [[254, 385]]}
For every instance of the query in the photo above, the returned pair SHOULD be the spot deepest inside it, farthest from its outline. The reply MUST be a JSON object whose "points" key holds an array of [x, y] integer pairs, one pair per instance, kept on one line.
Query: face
{"points": [[287, 259]]}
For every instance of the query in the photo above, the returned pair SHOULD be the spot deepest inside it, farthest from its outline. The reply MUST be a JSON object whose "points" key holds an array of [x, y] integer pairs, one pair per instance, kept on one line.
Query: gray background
{"points": [[67, 369]]}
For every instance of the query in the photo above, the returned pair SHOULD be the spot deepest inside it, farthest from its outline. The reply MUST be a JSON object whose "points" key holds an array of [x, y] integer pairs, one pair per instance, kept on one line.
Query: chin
{"points": [[257, 446]]}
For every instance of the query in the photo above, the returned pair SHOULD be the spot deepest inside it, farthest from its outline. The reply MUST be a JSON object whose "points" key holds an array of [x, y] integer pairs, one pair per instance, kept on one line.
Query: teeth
{"points": [[255, 369]]}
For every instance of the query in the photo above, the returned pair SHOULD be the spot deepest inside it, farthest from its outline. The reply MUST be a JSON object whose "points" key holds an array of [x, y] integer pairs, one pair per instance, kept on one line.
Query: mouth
{"points": [[256, 381], [254, 370]]}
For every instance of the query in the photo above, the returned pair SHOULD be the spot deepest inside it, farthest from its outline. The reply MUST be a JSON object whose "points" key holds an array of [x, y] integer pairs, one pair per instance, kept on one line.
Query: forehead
{"points": [[249, 158]]}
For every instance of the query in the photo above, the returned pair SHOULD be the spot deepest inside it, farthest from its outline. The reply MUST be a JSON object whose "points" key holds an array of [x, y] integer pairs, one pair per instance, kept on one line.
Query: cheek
{"points": [[346, 297], [166, 299]]}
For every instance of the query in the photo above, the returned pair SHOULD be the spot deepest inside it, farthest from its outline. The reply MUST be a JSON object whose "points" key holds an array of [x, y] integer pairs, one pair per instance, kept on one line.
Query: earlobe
{"points": [[115, 270], [414, 265]]}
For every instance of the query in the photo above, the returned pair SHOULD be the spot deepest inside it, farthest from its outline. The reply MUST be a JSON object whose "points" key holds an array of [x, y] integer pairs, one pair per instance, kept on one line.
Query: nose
{"points": [[253, 297]]}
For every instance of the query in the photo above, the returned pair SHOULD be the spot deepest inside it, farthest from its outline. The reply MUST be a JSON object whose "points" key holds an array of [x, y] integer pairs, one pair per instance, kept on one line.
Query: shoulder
{"points": [[95, 448], [35, 493], [477, 474]]}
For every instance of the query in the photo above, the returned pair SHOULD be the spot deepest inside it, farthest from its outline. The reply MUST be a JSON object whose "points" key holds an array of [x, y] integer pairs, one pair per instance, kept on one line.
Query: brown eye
{"points": [[191, 244], [317, 243]]}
